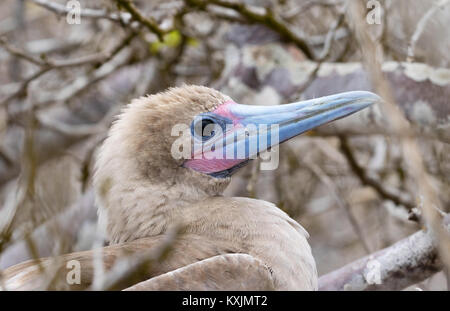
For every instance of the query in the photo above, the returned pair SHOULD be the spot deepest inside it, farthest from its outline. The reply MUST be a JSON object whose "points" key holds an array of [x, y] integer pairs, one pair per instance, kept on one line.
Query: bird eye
{"points": [[205, 128]]}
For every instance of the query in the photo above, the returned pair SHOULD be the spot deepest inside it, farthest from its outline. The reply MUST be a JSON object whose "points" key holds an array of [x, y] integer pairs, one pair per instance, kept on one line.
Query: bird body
{"points": [[135, 203], [143, 191]]}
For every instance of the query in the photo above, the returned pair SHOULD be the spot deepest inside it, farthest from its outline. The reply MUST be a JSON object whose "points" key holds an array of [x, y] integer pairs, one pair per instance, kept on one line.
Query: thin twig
{"points": [[421, 27], [23, 87], [137, 15], [268, 19], [51, 64], [61, 9], [343, 204], [365, 179], [325, 53], [18, 53]]}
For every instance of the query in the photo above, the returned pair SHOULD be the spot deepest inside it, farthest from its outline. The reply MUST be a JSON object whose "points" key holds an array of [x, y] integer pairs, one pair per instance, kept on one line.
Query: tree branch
{"points": [[150, 24], [268, 19], [365, 179], [61, 9], [405, 263]]}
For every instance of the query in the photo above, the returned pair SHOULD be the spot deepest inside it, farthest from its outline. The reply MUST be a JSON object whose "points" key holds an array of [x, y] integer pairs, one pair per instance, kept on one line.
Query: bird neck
{"points": [[139, 208]]}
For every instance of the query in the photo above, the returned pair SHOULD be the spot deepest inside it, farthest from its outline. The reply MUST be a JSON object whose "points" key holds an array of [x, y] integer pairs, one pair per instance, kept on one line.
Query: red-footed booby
{"points": [[144, 185]]}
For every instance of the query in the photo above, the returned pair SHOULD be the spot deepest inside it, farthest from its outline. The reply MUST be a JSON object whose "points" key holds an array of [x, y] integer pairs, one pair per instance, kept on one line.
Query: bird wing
{"points": [[44, 273], [51, 273], [223, 272]]}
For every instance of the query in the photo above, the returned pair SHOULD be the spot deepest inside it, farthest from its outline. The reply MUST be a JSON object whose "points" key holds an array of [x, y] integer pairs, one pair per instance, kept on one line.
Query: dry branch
{"points": [[71, 220], [61, 9], [46, 66], [365, 179], [52, 142], [421, 27], [396, 267], [138, 16], [268, 19]]}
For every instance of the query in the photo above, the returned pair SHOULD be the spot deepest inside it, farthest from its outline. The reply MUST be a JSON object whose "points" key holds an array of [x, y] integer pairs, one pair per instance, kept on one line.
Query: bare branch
{"points": [[61, 9], [18, 53], [48, 65], [421, 27], [136, 14], [343, 204], [405, 263], [268, 19], [23, 87], [365, 179]]}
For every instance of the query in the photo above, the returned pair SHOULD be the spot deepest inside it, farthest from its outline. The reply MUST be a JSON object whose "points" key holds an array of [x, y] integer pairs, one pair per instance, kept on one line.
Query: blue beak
{"points": [[251, 130], [296, 118]]}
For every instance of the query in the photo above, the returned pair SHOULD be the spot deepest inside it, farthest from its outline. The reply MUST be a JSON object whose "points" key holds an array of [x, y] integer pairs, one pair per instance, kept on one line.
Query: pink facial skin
{"points": [[224, 111], [211, 166], [201, 164]]}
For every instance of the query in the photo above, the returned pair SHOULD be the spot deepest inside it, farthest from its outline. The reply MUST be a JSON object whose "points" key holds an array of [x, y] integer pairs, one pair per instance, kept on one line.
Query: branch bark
{"points": [[268, 19], [137, 15], [61, 9], [400, 265], [365, 179]]}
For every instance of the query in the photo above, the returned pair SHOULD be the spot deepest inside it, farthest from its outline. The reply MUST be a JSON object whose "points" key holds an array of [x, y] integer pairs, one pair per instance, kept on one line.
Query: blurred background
{"points": [[68, 67]]}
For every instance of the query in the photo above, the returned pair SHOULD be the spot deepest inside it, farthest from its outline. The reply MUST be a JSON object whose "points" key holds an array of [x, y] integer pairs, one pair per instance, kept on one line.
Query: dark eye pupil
{"points": [[207, 130]]}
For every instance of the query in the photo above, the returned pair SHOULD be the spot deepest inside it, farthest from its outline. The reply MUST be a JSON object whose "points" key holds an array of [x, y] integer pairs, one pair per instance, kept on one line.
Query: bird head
{"points": [[194, 135]]}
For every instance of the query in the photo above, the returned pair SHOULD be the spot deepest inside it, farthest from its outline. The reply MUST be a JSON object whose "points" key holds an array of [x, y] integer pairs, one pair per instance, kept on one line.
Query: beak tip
{"points": [[367, 97]]}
